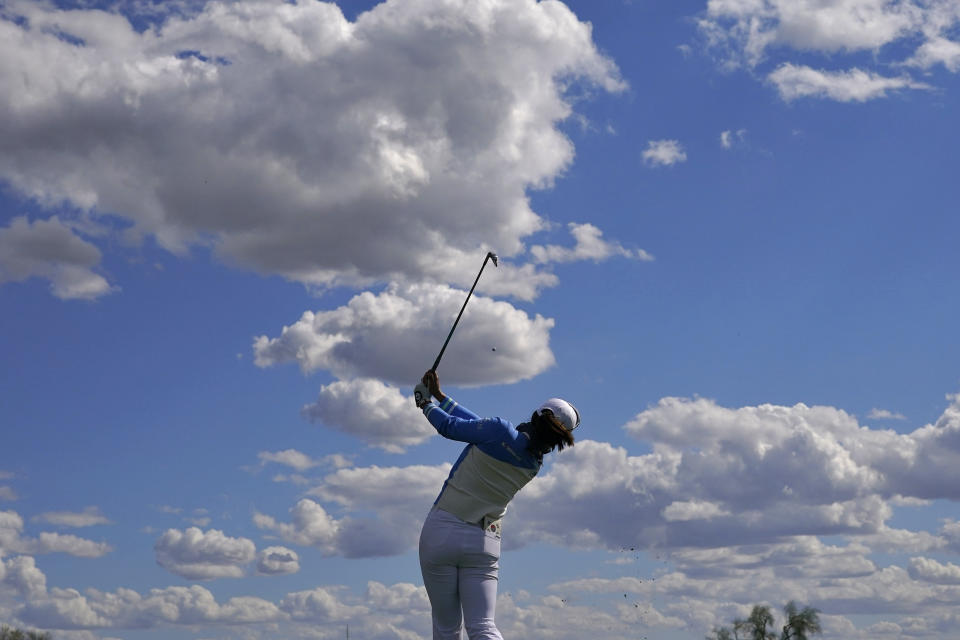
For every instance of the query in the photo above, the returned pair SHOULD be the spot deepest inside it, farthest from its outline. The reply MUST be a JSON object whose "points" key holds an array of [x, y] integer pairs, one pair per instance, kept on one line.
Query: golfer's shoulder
{"points": [[499, 424]]}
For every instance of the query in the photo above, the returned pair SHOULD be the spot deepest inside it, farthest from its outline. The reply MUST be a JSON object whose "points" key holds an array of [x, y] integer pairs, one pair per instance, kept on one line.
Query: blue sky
{"points": [[232, 236]]}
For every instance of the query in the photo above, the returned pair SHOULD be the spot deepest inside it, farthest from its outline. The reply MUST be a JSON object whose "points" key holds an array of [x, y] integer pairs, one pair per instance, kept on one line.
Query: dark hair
{"points": [[546, 435]]}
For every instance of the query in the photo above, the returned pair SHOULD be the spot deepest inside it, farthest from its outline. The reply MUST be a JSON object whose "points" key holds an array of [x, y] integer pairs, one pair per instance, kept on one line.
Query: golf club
{"points": [[490, 256]]}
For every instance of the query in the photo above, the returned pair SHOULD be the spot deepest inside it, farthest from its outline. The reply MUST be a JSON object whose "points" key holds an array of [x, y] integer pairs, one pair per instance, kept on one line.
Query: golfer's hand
{"points": [[432, 382], [421, 395]]}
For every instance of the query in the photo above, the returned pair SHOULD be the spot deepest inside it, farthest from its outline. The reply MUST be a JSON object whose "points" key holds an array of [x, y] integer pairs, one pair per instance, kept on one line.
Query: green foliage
{"points": [[800, 622], [759, 625], [760, 618], [721, 633], [7, 633]]}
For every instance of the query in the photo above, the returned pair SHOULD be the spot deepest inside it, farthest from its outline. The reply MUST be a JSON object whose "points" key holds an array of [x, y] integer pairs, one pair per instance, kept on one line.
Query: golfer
{"points": [[460, 540]]}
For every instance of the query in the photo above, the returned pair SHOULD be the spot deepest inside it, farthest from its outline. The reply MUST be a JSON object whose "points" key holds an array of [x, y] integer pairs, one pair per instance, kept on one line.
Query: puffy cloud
{"points": [[562, 619], [590, 246], [191, 605], [13, 540], [11, 526], [752, 32], [659, 500], [49, 249], [855, 85], [372, 615], [402, 597], [928, 464], [376, 413], [796, 449], [203, 555], [311, 526], [274, 561], [889, 540], [929, 570], [63, 609], [663, 153], [89, 517], [386, 335], [951, 533], [937, 50], [718, 477], [22, 575], [406, 140], [319, 605], [859, 588], [59, 543], [799, 558], [399, 498], [753, 26]]}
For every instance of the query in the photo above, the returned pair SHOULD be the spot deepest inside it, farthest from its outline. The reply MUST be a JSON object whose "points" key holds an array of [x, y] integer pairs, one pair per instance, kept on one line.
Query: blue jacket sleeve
{"points": [[463, 425], [450, 406]]}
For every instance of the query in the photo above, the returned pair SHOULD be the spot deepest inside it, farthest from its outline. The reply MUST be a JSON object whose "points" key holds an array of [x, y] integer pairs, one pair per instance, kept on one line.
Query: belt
{"points": [[487, 523]]}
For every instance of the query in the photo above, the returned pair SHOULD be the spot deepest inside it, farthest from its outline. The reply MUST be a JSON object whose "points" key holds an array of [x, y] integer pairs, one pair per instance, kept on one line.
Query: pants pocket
{"points": [[491, 545]]}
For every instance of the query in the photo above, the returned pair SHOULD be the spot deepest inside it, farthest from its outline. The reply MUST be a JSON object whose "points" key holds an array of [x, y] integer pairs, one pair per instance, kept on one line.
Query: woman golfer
{"points": [[460, 540]]}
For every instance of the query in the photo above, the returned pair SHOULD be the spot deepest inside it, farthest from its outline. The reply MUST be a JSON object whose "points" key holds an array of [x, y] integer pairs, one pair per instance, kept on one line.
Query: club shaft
{"points": [[436, 363]]}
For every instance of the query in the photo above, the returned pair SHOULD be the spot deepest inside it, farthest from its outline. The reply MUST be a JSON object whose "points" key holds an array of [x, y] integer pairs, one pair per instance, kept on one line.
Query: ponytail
{"points": [[546, 435]]}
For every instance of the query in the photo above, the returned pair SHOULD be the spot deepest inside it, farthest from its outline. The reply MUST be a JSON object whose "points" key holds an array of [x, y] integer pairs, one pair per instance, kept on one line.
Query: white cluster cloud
{"points": [[378, 414], [13, 540], [22, 575], [930, 570], [937, 50], [751, 32], [277, 561], [203, 555], [406, 141], [319, 605], [89, 517], [396, 334], [737, 500], [383, 612], [393, 336], [50, 249], [590, 245], [398, 498], [854, 85], [124, 608], [716, 477], [663, 153]]}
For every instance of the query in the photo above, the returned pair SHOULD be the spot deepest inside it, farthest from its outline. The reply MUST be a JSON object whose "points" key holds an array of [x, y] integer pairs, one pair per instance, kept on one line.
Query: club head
{"points": [[493, 257]]}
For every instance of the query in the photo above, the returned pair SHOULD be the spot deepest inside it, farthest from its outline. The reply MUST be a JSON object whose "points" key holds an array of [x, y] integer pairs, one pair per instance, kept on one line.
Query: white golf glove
{"points": [[421, 395]]}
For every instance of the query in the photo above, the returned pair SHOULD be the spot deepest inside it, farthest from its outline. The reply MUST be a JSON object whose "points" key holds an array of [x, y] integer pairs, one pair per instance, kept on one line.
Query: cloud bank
{"points": [[404, 144], [794, 502], [395, 336], [752, 33]]}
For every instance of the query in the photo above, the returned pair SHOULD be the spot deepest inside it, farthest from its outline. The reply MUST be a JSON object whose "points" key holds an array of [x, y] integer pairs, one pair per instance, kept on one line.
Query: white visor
{"points": [[565, 413]]}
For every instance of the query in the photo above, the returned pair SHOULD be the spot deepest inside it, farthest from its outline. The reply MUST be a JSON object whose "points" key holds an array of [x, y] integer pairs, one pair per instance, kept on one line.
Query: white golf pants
{"points": [[460, 564]]}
